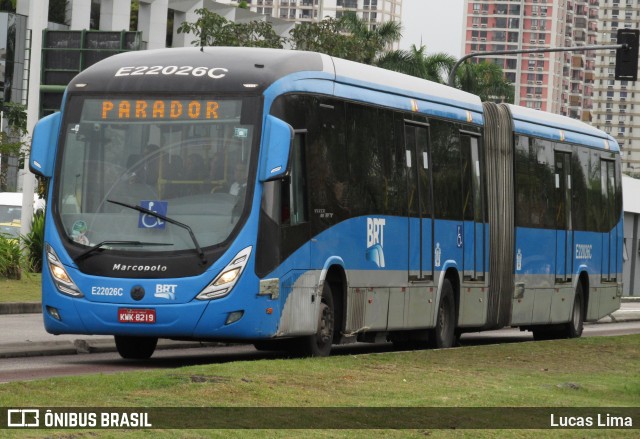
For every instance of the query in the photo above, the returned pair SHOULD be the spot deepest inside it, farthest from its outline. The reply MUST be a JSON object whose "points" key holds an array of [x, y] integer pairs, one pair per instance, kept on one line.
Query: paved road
{"points": [[24, 335], [20, 369]]}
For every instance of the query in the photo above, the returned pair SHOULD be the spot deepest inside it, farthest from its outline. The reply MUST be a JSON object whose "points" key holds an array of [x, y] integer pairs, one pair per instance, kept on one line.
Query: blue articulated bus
{"points": [[293, 200]]}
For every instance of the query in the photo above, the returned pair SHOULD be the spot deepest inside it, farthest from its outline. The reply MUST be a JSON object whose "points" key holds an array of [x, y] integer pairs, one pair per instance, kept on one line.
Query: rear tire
{"points": [[443, 335], [572, 329], [576, 324], [135, 348]]}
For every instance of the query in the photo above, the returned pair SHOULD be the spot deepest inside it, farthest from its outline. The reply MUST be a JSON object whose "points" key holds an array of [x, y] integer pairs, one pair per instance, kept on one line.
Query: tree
{"points": [[212, 29], [416, 62], [350, 37], [347, 37], [374, 42], [486, 80], [327, 36]]}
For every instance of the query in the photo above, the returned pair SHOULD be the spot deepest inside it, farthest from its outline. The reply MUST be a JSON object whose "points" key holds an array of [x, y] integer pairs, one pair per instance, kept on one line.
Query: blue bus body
{"points": [[427, 231]]}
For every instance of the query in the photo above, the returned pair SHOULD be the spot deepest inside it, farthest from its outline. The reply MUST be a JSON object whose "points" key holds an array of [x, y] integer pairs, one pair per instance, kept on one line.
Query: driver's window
{"points": [[294, 188]]}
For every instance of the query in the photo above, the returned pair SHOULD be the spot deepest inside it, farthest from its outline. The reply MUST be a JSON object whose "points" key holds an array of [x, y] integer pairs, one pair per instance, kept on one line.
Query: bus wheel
{"points": [[575, 325], [135, 348], [572, 329], [443, 335], [319, 344]]}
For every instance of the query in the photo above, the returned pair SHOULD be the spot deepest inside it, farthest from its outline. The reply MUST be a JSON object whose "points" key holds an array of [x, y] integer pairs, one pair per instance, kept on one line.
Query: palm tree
{"points": [[486, 80], [369, 43], [415, 62]]}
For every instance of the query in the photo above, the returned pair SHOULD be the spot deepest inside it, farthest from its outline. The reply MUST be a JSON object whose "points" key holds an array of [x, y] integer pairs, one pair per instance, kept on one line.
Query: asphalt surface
{"points": [[23, 333]]}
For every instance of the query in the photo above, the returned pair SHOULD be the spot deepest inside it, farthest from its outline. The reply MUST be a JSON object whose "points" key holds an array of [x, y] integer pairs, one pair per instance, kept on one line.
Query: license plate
{"points": [[126, 315]]}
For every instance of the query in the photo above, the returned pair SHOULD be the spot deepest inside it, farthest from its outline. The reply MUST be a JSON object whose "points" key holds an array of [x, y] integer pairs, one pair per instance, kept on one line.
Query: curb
{"points": [[84, 346], [620, 316], [21, 308]]}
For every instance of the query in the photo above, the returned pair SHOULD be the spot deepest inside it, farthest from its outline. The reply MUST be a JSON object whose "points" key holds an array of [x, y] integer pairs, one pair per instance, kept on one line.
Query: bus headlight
{"points": [[59, 274], [226, 280]]}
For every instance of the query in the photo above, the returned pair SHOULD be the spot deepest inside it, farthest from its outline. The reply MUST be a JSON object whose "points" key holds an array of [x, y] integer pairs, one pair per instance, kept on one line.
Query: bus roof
{"points": [[365, 76], [247, 68], [233, 69], [547, 125], [206, 70]]}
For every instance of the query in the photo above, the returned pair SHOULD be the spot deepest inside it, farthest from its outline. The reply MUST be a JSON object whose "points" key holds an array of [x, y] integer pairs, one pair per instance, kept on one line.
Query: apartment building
{"points": [[615, 110], [559, 82], [576, 84], [372, 11]]}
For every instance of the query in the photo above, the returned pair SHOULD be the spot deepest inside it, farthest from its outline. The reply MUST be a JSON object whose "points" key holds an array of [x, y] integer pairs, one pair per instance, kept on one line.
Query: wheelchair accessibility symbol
{"points": [[146, 221], [459, 237]]}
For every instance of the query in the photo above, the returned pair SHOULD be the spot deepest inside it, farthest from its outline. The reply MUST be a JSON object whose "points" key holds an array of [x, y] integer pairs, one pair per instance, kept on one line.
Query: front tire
{"points": [[443, 335], [319, 344], [135, 348]]}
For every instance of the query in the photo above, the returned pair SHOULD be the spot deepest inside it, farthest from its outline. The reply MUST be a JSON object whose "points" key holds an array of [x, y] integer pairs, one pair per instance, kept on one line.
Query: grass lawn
{"points": [[587, 372], [28, 289]]}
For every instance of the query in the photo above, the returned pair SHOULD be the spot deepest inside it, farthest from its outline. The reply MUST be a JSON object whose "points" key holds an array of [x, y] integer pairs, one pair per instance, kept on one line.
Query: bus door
{"points": [[564, 232], [608, 184], [472, 209], [419, 201]]}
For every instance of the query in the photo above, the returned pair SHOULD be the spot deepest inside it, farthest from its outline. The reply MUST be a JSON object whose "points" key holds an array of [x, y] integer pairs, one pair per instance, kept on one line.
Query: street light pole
{"points": [[452, 75]]}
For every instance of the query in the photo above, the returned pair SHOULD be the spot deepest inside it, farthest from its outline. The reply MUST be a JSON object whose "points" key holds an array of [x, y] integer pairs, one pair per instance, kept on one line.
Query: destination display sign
{"points": [[158, 109]]}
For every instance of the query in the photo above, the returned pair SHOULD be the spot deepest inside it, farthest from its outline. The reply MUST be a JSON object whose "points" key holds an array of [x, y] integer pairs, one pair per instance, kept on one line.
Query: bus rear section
{"points": [[564, 230]]}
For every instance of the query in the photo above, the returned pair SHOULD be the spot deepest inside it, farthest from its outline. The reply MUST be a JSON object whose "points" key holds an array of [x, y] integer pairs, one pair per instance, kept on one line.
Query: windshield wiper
{"points": [[116, 243], [170, 221]]}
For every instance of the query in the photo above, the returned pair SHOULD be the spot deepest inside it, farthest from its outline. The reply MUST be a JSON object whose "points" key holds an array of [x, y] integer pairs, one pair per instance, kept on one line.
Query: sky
{"points": [[437, 22]]}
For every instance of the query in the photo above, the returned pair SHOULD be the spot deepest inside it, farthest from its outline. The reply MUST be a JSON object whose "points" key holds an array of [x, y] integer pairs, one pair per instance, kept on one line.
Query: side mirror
{"points": [[276, 146], [44, 144]]}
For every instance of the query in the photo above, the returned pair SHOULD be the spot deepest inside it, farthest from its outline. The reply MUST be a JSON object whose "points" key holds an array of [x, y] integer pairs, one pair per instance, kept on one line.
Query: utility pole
{"points": [[37, 12]]}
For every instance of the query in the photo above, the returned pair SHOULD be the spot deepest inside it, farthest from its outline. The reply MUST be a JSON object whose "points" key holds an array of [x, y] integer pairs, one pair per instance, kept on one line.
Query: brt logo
{"points": [[166, 291], [375, 241]]}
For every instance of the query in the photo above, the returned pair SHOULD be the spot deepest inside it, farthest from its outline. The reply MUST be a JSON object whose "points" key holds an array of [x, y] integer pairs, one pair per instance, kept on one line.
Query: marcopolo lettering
{"points": [[124, 267]]}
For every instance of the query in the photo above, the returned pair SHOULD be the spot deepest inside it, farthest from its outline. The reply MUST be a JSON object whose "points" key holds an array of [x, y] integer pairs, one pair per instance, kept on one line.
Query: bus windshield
{"points": [[185, 158]]}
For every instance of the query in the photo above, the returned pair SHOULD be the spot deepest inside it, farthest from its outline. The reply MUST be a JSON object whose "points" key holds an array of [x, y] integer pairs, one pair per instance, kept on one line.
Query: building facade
{"points": [[559, 82], [372, 11], [578, 84], [615, 110], [14, 41]]}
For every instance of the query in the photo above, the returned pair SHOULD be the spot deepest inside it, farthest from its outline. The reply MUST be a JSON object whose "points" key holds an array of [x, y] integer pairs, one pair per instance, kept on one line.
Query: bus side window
{"points": [[294, 188]]}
